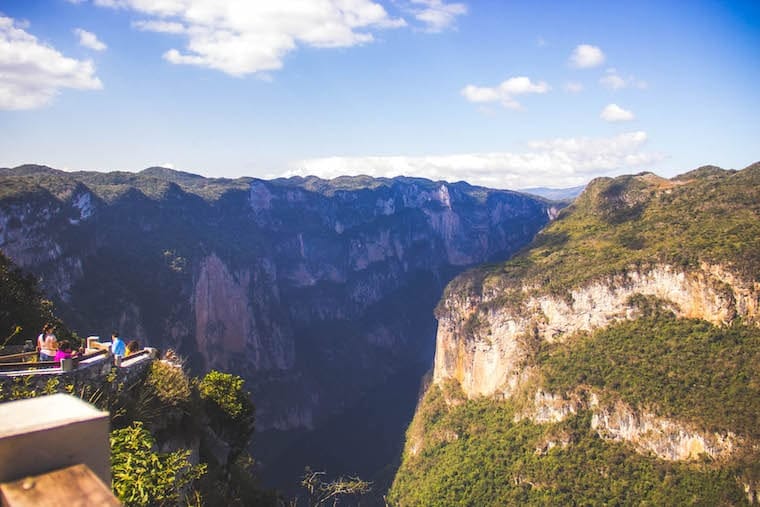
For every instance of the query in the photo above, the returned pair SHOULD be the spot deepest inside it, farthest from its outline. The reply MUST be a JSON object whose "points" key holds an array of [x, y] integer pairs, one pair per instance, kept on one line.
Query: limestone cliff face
{"points": [[665, 438], [489, 357], [226, 327], [33, 233], [487, 344], [316, 292]]}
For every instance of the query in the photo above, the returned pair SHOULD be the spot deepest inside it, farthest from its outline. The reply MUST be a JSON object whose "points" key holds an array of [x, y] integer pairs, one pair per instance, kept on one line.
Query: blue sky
{"points": [[508, 94]]}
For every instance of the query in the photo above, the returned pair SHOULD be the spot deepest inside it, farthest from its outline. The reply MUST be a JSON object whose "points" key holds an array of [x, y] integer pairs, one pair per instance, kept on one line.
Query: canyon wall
{"points": [[319, 293]]}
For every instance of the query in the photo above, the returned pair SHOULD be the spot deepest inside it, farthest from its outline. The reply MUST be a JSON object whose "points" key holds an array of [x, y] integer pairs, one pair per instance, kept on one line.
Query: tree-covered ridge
{"points": [[700, 377], [158, 182], [474, 452], [685, 369], [706, 216]]}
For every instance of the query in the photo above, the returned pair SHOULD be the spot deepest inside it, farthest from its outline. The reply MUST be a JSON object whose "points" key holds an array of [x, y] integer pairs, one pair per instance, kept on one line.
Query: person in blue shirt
{"points": [[118, 348]]}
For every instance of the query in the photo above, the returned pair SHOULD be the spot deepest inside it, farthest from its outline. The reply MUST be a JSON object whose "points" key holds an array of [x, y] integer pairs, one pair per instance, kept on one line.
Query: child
{"points": [[63, 352], [132, 347]]}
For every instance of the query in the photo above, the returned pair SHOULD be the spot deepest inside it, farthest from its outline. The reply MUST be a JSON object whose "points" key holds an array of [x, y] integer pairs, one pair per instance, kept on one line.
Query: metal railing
{"points": [[40, 365]]}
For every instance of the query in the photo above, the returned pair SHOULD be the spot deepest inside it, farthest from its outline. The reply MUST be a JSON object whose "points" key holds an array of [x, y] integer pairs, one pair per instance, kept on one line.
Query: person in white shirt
{"points": [[47, 343]]}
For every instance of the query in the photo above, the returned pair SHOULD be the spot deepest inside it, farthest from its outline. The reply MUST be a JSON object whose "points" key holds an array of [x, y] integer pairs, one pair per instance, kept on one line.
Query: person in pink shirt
{"points": [[64, 351]]}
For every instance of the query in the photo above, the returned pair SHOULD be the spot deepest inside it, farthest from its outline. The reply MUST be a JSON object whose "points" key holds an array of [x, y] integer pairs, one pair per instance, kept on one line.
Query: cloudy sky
{"points": [[508, 94]]}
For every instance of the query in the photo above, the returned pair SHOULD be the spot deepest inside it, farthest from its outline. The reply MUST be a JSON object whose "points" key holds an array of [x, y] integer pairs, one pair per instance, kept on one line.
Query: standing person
{"points": [[47, 343], [118, 348]]}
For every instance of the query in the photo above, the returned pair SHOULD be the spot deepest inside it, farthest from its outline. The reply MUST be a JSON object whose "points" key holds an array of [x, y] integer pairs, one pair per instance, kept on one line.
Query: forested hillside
{"points": [[614, 360]]}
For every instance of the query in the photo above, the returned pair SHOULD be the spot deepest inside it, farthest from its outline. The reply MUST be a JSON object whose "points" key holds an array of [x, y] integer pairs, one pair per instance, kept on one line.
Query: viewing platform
{"points": [[96, 356]]}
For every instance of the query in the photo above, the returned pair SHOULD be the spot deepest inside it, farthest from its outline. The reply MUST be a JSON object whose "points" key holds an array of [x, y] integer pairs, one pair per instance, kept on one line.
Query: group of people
{"points": [[50, 349], [119, 349]]}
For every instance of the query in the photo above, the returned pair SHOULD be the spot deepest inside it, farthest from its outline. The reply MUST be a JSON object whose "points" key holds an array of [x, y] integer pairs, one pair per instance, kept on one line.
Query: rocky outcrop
{"points": [[488, 348], [614, 420], [485, 346]]}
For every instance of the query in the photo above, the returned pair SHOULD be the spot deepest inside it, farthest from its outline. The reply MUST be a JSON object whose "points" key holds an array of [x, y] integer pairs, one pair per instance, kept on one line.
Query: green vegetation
{"points": [[687, 369], [163, 399], [632, 222], [23, 309], [143, 477], [166, 408], [225, 391], [474, 453], [229, 408]]}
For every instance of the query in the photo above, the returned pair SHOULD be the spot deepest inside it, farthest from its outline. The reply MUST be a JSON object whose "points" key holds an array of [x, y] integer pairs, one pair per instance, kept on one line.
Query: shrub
{"points": [[164, 397], [229, 408], [144, 477]]}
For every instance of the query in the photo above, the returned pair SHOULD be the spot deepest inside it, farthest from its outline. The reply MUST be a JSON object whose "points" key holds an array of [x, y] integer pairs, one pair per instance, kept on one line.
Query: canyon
{"points": [[319, 293]]}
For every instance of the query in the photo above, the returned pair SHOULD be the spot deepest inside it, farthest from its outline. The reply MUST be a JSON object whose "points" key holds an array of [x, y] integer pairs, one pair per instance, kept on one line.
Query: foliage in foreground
{"points": [[142, 476], [474, 453]]}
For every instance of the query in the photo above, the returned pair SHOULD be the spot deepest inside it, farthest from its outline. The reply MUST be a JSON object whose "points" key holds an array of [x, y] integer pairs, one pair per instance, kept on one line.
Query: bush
{"points": [[164, 397], [144, 477], [228, 406]]}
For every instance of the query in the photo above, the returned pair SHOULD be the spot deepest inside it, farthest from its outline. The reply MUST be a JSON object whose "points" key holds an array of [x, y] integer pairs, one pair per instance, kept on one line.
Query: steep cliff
{"points": [[634, 318], [319, 293]]}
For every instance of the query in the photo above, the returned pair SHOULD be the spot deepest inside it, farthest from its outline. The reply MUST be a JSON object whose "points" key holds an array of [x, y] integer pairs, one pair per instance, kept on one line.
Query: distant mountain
{"points": [[556, 194], [614, 360], [320, 293]]}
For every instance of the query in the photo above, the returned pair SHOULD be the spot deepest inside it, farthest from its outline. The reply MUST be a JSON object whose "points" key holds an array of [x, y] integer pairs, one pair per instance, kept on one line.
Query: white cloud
{"points": [[242, 37], [586, 56], [504, 92], [573, 87], [159, 26], [89, 40], [614, 81], [615, 113], [562, 162], [32, 73], [437, 14]]}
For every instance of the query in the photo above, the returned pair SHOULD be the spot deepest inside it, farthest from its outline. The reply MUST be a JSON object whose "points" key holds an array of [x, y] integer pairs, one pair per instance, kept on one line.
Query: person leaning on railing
{"points": [[132, 347], [64, 351]]}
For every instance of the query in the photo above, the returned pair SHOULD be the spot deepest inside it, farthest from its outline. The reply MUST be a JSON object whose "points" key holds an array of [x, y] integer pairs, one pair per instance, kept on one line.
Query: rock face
{"points": [[492, 324], [490, 357], [662, 437], [317, 292]]}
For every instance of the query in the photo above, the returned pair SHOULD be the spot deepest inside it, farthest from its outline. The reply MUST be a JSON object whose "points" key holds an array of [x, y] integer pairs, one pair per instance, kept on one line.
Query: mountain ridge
{"points": [[321, 299], [595, 337]]}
